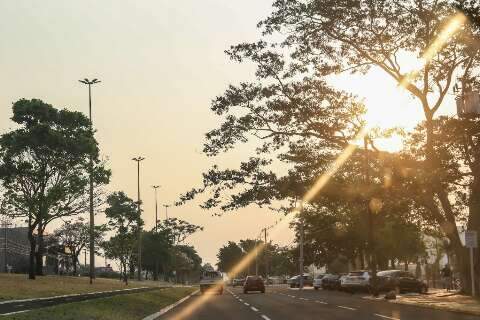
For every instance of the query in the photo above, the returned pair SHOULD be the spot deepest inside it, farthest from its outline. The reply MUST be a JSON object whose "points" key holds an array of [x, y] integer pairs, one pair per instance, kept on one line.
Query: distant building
{"points": [[14, 249]]}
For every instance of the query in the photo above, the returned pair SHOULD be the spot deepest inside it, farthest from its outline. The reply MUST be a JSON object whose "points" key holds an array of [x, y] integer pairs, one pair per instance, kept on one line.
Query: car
{"points": [[356, 281], [211, 281], [294, 282], [399, 281], [254, 283], [331, 282], [317, 282], [237, 282]]}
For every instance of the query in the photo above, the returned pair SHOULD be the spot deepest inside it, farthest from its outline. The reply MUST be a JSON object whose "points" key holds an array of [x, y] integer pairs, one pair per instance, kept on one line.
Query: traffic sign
{"points": [[471, 239]]}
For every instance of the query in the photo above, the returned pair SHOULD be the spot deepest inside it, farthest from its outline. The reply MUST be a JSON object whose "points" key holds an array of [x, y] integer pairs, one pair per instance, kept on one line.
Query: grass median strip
{"points": [[128, 306], [17, 286]]}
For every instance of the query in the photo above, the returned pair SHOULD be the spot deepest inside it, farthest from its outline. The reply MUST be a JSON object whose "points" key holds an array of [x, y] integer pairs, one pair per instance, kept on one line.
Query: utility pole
{"points": [[300, 261], [92, 213], [256, 257], [139, 257], [266, 254], [166, 210], [156, 208], [371, 246]]}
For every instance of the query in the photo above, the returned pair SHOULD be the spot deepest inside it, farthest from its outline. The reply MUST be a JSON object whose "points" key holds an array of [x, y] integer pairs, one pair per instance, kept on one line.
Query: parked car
{"points": [[294, 282], [254, 283], [331, 282], [399, 281], [276, 280], [317, 282], [238, 282], [356, 281]]}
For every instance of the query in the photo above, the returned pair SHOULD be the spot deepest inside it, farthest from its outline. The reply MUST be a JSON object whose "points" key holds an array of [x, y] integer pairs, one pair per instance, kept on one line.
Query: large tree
{"points": [[75, 236], [123, 218], [296, 115], [44, 168], [229, 256]]}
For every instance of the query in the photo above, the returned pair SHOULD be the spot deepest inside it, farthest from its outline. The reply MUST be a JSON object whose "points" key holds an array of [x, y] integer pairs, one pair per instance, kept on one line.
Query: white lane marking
{"points": [[322, 302], [19, 305], [304, 299], [246, 304], [240, 300], [254, 309], [348, 308], [12, 313], [385, 317], [265, 317]]}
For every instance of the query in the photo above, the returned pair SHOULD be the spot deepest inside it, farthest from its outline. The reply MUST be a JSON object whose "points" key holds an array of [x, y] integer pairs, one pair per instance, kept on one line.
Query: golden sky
{"points": [[161, 62]]}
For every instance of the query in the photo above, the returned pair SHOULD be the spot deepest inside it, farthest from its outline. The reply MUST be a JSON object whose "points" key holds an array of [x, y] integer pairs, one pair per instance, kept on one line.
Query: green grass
{"points": [[17, 286], [128, 306]]}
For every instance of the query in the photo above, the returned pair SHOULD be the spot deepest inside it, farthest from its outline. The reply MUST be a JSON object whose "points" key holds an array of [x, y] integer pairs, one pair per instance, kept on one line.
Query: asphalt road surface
{"points": [[281, 303], [13, 307]]}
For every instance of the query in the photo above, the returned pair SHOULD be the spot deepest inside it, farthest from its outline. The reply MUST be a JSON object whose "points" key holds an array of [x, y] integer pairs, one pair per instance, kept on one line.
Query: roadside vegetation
{"points": [[130, 306], [17, 286]]}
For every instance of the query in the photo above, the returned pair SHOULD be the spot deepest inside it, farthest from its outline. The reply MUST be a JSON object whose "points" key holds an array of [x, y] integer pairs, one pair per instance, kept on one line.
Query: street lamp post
{"points": [[156, 207], [92, 214], [139, 258], [166, 210], [371, 246]]}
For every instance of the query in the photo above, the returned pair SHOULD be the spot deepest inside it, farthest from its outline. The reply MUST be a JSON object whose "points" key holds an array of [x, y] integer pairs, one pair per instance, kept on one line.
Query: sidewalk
{"points": [[437, 299]]}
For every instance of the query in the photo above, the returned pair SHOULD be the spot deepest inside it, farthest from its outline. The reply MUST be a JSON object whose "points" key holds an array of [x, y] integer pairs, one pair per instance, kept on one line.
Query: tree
{"points": [[178, 230], [124, 218], [307, 119], [44, 168], [187, 261], [157, 248], [228, 256], [75, 236], [336, 37]]}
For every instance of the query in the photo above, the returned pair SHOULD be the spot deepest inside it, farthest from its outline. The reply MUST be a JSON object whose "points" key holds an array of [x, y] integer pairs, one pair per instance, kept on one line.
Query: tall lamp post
{"points": [[139, 271], [89, 83], [156, 207], [371, 245], [166, 210]]}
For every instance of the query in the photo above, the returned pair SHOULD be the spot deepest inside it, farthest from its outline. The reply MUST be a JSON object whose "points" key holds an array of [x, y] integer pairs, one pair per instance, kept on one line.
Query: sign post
{"points": [[471, 242]]}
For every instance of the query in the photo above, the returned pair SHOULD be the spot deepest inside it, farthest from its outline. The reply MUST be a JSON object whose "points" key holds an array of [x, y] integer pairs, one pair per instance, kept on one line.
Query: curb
{"points": [[435, 307], [170, 307]]}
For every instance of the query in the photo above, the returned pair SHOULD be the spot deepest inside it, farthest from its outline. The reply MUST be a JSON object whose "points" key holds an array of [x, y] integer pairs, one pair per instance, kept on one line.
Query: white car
{"points": [[211, 281], [356, 281], [317, 282]]}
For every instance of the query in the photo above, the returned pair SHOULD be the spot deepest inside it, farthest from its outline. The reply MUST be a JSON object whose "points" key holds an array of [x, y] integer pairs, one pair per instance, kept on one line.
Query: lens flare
{"points": [[452, 27]]}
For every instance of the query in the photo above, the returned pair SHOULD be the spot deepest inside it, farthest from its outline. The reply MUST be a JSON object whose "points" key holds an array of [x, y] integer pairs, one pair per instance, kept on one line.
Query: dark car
{"points": [[399, 281], [331, 282], [254, 283]]}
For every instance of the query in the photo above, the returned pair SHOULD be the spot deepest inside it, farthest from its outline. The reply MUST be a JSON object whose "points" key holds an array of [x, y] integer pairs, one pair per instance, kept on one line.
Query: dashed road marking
{"points": [[322, 302], [348, 308], [246, 304], [240, 300], [265, 317], [254, 309], [385, 317]]}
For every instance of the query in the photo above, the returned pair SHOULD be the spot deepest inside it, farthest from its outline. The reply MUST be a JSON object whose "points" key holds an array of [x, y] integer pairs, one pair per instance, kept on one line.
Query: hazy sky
{"points": [[161, 63]]}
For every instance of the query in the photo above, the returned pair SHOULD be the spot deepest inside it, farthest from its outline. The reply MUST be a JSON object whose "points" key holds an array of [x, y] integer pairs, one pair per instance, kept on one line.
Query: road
{"points": [[18, 306], [281, 303]]}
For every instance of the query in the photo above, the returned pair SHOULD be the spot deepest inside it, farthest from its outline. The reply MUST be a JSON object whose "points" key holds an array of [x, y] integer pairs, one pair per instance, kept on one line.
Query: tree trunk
{"points": [[39, 253], [75, 261], [31, 261]]}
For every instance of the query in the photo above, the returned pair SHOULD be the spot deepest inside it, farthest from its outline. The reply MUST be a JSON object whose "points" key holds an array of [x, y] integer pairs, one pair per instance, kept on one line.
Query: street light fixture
{"points": [[139, 271], [156, 207], [92, 213]]}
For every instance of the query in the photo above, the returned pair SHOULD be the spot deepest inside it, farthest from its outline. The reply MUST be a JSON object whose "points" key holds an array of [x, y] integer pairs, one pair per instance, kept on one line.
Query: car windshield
{"points": [[158, 150]]}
